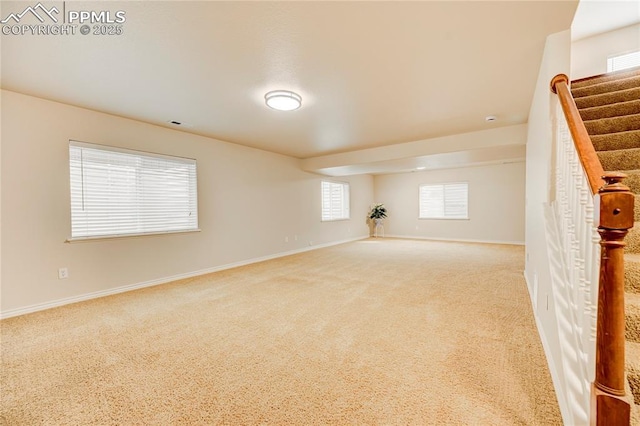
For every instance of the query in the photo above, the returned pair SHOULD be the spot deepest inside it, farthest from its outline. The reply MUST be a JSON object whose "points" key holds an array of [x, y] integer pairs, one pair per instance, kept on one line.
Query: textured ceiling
{"points": [[598, 16], [370, 73]]}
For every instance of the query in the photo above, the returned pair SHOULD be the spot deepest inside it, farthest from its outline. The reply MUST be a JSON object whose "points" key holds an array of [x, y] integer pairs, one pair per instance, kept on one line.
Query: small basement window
{"points": [[444, 201], [623, 62], [335, 200]]}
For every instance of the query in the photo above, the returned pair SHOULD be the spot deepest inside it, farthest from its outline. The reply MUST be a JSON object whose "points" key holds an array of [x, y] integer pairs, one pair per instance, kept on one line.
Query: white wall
{"points": [[496, 204], [538, 196], [589, 55], [249, 201], [344, 163]]}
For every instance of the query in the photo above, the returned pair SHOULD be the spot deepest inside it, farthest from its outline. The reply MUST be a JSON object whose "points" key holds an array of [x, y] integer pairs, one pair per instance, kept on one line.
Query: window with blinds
{"points": [[444, 201], [622, 62], [335, 200], [118, 192]]}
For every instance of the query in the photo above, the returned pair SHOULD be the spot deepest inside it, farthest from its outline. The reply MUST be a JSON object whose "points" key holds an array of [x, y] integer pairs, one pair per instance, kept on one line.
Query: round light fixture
{"points": [[283, 100]]}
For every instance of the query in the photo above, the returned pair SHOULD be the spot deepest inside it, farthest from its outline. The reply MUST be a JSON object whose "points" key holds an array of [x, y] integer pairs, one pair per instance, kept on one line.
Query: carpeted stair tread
{"points": [[619, 140], [632, 361], [633, 240], [632, 180], [622, 123], [632, 316], [635, 415], [611, 110], [625, 95], [589, 81], [621, 159], [632, 273], [606, 86]]}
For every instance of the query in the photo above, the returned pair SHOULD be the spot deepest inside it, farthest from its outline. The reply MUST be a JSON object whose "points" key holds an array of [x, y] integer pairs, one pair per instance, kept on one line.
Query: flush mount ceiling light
{"points": [[283, 100]]}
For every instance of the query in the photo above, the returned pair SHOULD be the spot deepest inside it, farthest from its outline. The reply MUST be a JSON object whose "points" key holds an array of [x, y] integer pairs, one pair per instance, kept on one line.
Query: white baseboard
{"points": [[130, 287], [565, 410], [459, 240]]}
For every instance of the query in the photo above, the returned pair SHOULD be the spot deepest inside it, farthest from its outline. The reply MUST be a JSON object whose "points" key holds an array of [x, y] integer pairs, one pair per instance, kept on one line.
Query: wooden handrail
{"points": [[586, 151], [610, 405]]}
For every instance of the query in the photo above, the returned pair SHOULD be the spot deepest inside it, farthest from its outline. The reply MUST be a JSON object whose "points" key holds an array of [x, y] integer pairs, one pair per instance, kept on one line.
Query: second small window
{"points": [[444, 201], [335, 200]]}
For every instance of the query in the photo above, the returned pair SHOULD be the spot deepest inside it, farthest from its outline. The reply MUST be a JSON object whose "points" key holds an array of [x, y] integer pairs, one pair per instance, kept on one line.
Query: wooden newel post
{"points": [[610, 405]]}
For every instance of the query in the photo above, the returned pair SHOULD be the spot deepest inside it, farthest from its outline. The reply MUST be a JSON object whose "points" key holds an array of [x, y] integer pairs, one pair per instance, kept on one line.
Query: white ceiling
{"points": [[371, 74], [598, 16]]}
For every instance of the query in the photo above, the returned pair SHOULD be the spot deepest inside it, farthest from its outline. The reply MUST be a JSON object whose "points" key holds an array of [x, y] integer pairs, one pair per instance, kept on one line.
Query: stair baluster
{"points": [[587, 206], [574, 206]]}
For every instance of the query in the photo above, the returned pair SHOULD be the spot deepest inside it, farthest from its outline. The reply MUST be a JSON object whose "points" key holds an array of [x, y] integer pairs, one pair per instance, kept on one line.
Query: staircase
{"points": [[610, 108]]}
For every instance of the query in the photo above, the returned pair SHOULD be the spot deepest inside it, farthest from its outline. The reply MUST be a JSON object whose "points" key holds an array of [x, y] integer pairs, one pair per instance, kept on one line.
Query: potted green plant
{"points": [[377, 213]]}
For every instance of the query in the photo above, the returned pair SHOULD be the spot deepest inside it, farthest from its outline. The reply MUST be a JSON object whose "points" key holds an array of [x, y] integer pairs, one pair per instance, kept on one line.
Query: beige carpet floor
{"points": [[379, 331]]}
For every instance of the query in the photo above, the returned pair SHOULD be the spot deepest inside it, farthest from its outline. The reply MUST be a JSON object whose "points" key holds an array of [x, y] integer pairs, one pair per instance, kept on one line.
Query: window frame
{"points": [[191, 192], [633, 60], [346, 204], [443, 185]]}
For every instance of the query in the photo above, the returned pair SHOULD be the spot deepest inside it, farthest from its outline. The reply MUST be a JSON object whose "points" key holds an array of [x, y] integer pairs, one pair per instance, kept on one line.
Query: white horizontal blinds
{"points": [[444, 201], [345, 213], [623, 62], [456, 200], [431, 201], [326, 200], [120, 192], [335, 200]]}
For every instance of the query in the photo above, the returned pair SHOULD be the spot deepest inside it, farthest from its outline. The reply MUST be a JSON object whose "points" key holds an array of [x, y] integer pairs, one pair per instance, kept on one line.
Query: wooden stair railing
{"points": [[614, 218]]}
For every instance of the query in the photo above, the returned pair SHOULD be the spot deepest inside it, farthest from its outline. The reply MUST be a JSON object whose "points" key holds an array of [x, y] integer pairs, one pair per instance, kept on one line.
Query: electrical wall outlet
{"points": [[286, 239], [63, 273], [547, 301]]}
